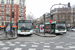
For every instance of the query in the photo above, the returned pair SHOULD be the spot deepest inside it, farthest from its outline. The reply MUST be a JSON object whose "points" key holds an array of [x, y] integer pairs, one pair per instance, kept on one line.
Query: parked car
{"points": [[73, 29], [69, 29]]}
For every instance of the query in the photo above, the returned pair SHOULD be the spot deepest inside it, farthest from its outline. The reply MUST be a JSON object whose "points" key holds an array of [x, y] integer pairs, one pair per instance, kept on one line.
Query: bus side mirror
{"points": [[32, 23]]}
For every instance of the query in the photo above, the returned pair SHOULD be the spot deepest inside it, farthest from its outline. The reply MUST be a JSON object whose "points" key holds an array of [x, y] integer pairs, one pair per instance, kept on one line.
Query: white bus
{"points": [[56, 28], [24, 27]]}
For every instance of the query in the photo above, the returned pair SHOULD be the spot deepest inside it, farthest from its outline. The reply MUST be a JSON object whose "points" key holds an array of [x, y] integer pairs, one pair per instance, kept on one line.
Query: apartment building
{"points": [[18, 7], [64, 14]]}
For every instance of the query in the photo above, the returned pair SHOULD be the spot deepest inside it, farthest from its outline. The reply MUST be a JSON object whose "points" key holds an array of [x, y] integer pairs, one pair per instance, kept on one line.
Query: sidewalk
{"points": [[46, 35], [8, 37]]}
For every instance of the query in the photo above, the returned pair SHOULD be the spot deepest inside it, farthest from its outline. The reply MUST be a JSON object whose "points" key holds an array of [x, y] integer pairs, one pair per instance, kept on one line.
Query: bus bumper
{"points": [[24, 33], [61, 33]]}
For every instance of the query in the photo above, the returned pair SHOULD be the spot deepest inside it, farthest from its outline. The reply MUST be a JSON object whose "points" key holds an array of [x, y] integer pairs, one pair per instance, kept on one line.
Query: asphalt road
{"points": [[33, 38], [34, 42]]}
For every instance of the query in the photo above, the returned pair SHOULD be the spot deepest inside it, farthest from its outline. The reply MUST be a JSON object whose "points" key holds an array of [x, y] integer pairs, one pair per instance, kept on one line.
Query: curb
{"points": [[8, 38], [44, 36]]}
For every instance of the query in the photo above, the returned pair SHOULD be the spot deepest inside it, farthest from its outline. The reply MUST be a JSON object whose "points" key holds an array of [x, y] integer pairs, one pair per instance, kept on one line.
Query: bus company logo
{"points": [[41, 27]]}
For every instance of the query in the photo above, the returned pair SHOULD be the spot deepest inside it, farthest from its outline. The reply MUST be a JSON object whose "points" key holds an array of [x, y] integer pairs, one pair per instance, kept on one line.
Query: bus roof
{"points": [[54, 22], [26, 21]]}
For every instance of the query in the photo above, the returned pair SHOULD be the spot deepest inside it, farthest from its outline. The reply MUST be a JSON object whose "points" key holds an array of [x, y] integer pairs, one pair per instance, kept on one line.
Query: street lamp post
{"points": [[44, 23], [11, 21], [51, 9]]}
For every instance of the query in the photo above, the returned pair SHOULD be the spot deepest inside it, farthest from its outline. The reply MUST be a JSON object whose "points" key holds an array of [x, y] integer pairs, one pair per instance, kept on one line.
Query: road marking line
{"points": [[34, 46], [5, 48], [8, 42], [46, 43], [12, 44], [18, 49], [71, 46], [46, 46], [2, 44], [57, 47], [36, 43], [32, 49], [17, 42], [23, 45]]}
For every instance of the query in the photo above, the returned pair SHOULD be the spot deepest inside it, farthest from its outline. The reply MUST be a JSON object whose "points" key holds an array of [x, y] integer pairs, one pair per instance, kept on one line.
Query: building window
{"points": [[23, 4], [19, 6], [1, 18], [23, 1], [8, 19], [2, 10], [20, 3], [12, 9], [2, 14], [22, 11], [13, 2], [7, 2], [2, 5], [9, 6], [2, 1]]}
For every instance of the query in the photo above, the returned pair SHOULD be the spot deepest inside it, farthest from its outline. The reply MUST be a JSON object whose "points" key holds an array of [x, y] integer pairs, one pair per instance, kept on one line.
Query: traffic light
{"points": [[69, 4], [2, 23], [12, 14], [44, 16], [52, 17]]}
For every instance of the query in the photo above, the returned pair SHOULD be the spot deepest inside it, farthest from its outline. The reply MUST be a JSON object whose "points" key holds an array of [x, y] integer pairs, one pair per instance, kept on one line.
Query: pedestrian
{"points": [[8, 28]]}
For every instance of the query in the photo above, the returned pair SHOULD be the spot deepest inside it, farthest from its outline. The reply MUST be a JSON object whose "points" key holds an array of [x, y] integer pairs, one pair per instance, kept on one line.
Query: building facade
{"points": [[66, 15], [18, 7]]}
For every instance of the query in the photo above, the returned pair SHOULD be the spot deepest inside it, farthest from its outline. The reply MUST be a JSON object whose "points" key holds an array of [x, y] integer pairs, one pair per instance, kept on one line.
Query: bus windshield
{"points": [[24, 26], [60, 26]]}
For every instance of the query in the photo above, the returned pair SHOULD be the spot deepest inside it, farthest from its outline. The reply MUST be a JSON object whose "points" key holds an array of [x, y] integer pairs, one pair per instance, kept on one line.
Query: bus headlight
{"points": [[19, 32], [31, 32]]}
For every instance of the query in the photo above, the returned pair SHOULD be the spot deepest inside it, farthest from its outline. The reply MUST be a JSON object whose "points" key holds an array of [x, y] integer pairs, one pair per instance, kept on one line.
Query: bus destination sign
{"points": [[24, 20]]}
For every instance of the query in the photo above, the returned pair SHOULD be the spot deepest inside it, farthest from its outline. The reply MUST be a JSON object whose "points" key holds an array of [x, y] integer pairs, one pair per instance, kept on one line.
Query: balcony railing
{"points": [[2, 11]]}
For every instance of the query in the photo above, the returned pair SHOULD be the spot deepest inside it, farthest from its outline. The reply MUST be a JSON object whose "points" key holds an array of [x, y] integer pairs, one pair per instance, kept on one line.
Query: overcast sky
{"points": [[39, 7]]}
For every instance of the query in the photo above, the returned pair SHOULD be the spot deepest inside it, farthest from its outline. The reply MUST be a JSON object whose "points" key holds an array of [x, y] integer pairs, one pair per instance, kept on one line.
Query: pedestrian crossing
{"points": [[12, 45]]}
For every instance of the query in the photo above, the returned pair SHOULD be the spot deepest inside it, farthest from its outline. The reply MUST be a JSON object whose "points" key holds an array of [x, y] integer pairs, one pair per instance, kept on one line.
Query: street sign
{"points": [[50, 21], [41, 28]]}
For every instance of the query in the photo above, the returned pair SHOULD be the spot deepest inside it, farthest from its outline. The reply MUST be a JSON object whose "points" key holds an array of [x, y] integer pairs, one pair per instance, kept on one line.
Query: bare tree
{"points": [[30, 17], [73, 6]]}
